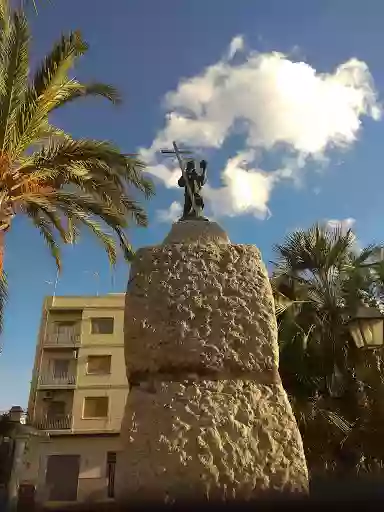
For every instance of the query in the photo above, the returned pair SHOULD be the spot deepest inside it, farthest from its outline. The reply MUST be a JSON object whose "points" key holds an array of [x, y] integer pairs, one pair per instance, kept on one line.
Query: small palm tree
{"points": [[61, 184], [319, 280]]}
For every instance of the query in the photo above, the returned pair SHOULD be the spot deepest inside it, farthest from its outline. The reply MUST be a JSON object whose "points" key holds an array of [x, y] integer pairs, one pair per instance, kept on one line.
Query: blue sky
{"points": [[146, 48]]}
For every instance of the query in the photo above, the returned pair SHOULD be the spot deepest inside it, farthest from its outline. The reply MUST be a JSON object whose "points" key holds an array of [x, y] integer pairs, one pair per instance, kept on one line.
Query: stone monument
{"points": [[206, 416]]}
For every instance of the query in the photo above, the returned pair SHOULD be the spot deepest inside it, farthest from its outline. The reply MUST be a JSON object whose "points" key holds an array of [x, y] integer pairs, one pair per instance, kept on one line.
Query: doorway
{"points": [[62, 477]]}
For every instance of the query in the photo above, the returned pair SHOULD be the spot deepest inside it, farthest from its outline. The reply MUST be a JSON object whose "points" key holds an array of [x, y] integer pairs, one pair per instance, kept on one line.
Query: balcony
{"points": [[54, 379], [53, 422], [68, 339]]}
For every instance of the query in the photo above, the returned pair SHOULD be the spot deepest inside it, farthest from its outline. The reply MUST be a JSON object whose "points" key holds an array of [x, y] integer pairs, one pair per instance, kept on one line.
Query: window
{"points": [[95, 407], [99, 365], [102, 325], [63, 328], [56, 409], [60, 368], [65, 332]]}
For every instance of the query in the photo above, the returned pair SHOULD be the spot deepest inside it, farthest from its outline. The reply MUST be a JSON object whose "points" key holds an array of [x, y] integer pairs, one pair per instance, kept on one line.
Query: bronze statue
{"points": [[193, 201]]}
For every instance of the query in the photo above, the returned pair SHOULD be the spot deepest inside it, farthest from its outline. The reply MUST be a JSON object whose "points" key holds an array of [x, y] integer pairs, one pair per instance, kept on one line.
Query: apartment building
{"points": [[77, 396]]}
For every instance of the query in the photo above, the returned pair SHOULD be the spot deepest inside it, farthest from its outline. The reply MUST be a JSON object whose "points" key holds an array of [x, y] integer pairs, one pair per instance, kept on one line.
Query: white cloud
{"points": [[344, 224], [273, 101], [171, 214], [245, 190]]}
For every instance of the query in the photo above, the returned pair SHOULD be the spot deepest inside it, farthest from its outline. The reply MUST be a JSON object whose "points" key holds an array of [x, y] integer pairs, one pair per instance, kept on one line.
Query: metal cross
{"points": [[176, 151]]}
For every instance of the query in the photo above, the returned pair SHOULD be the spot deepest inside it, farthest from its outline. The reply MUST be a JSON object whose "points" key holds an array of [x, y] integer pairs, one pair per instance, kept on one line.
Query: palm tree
{"points": [[319, 281], [61, 184]]}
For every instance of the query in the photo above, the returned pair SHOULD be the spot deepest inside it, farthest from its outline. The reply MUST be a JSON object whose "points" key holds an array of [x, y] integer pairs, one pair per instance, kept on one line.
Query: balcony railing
{"points": [[61, 339], [57, 379], [53, 422]]}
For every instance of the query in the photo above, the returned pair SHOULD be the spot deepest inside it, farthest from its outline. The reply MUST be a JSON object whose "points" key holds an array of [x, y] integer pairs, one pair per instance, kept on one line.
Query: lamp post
{"points": [[367, 328]]}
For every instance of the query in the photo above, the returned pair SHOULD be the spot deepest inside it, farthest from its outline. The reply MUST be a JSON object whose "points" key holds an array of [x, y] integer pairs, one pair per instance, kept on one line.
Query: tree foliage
{"points": [[60, 183], [320, 279]]}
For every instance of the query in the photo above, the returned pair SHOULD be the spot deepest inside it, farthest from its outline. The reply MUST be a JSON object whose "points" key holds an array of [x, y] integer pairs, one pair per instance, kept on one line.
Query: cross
{"points": [[176, 151]]}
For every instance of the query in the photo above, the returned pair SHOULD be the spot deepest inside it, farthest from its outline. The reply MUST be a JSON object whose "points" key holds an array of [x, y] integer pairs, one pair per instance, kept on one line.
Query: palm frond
{"points": [[13, 78], [318, 280], [49, 134], [4, 16], [73, 90], [45, 228], [61, 184], [82, 210], [57, 63], [81, 219], [316, 249], [51, 216], [26, 3], [45, 86], [96, 167]]}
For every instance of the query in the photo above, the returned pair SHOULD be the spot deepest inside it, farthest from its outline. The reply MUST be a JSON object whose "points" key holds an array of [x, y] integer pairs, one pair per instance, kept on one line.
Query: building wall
{"points": [[113, 300], [92, 482], [38, 357], [49, 355], [87, 338], [116, 403], [34, 453], [117, 376], [60, 395], [83, 309], [92, 449], [63, 316]]}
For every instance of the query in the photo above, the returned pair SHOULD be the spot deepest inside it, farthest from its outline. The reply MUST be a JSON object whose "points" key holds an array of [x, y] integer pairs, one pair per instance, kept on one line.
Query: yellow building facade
{"points": [[77, 397]]}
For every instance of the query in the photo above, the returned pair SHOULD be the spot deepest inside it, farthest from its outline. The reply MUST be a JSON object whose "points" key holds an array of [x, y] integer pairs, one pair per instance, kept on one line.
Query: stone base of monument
{"points": [[207, 416]]}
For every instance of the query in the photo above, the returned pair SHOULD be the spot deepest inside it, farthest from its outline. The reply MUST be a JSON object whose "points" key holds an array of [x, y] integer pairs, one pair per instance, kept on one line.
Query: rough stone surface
{"points": [[204, 305], [222, 439], [206, 416], [196, 231]]}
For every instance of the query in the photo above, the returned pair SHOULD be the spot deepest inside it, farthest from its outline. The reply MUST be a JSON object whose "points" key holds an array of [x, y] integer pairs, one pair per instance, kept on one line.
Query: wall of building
{"points": [[60, 395], [33, 456], [116, 404], [92, 449], [115, 338], [92, 482], [117, 376], [63, 316], [82, 310], [49, 355], [38, 355], [113, 300]]}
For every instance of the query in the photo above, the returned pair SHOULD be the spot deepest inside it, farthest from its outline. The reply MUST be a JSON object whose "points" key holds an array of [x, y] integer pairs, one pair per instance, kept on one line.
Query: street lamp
{"points": [[367, 328]]}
